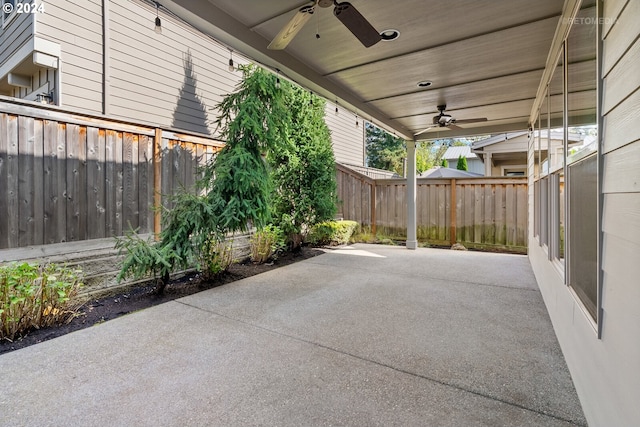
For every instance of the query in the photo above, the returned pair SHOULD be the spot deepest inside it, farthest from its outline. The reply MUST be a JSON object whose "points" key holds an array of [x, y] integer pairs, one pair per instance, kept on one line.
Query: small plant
{"points": [[462, 163], [33, 296], [215, 257], [363, 237], [266, 243], [386, 241], [144, 258], [332, 232]]}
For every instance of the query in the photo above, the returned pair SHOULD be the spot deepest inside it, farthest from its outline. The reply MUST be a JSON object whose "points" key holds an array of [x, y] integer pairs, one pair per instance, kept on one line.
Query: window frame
{"points": [[546, 198]]}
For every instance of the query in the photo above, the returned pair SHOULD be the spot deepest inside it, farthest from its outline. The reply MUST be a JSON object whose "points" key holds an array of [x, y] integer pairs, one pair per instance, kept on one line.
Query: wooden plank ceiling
{"points": [[484, 58]]}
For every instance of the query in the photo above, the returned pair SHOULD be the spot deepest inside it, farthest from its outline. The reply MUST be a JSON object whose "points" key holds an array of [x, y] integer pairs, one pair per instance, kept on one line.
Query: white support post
{"points": [[488, 166], [412, 227]]}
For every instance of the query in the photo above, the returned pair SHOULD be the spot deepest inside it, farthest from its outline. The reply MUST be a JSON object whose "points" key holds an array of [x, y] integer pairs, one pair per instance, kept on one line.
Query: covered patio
{"points": [[363, 335]]}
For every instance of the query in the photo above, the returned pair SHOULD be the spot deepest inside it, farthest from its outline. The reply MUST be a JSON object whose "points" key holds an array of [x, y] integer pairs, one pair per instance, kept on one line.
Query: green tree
{"points": [[444, 163], [462, 163], [303, 173], [234, 189], [388, 152], [384, 151]]}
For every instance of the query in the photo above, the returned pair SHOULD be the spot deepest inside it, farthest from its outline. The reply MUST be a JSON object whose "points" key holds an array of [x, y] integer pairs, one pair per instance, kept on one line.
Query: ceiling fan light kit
{"points": [[443, 120]]}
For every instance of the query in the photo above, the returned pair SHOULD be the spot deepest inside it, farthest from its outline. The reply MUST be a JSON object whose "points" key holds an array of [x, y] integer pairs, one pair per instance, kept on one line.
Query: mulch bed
{"points": [[110, 307]]}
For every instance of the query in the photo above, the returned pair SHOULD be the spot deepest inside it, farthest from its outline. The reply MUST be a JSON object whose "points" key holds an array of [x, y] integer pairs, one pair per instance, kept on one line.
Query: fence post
{"points": [[157, 182], [453, 212], [373, 208]]}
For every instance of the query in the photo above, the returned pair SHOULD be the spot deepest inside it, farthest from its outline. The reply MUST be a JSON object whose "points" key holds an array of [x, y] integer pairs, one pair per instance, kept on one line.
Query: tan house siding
{"points": [[76, 25], [621, 211], [174, 79], [348, 140], [605, 369]]}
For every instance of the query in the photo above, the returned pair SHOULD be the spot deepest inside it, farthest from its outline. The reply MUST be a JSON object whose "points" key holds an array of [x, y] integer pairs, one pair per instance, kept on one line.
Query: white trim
{"points": [[19, 80], [34, 44], [45, 60], [505, 167]]}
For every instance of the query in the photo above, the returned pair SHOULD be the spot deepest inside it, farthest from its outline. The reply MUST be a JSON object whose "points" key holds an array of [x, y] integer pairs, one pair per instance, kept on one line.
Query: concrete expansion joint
{"points": [[382, 364]]}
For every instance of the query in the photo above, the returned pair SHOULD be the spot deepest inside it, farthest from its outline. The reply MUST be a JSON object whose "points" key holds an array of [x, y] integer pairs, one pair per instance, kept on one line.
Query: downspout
{"points": [[412, 227], [106, 63]]}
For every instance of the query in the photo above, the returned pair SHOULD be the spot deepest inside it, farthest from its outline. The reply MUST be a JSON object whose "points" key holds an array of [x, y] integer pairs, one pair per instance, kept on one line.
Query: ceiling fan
{"points": [[345, 12], [443, 120]]}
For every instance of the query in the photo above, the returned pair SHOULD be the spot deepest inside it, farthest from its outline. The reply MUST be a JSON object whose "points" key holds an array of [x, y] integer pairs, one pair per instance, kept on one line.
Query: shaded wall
{"points": [[69, 178]]}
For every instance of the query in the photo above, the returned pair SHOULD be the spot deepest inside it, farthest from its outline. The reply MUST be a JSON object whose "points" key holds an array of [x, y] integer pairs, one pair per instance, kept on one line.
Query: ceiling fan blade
{"points": [[289, 31], [422, 131], [463, 121], [357, 24], [451, 126]]}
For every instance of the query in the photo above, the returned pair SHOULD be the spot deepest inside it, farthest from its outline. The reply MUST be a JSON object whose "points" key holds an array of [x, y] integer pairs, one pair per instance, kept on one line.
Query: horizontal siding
{"points": [[623, 76], [608, 383], [612, 9], [347, 139], [617, 379], [622, 35], [621, 216], [621, 123], [76, 25], [621, 170], [14, 35], [151, 79]]}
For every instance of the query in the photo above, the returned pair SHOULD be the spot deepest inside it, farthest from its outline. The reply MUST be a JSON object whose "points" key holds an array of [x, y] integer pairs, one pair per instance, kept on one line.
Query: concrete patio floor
{"points": [[360, 336]]}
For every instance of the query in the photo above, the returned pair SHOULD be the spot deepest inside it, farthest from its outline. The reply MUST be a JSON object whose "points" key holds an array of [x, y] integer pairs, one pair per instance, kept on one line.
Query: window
{"points": [[566, 175], [8, 12], [556, 163], [582, 160], [583, 236]]}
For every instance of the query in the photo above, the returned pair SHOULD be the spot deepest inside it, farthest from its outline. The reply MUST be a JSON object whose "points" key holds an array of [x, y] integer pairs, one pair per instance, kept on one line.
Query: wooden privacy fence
{"points": [[489, 212], [67, 177]]}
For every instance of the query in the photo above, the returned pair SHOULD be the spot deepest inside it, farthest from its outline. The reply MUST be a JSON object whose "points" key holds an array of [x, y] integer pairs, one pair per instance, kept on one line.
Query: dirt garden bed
{"points": [[96, 311]]}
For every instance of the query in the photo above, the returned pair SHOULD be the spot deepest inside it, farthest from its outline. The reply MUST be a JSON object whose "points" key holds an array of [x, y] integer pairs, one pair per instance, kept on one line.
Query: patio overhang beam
{"points": [[480, 130], [569, 12]]}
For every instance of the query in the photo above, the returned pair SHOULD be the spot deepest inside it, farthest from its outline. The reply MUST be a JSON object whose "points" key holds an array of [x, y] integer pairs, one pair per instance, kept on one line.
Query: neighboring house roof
{"points": [[440, 172], [455, 152], [555, 135], [496, 139], [371, 172]]}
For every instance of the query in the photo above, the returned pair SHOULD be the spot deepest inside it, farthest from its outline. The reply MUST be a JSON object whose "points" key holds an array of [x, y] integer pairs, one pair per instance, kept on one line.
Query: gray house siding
{"points": [[13, 36], [606, 369], [474, 164], [76, 25]]}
